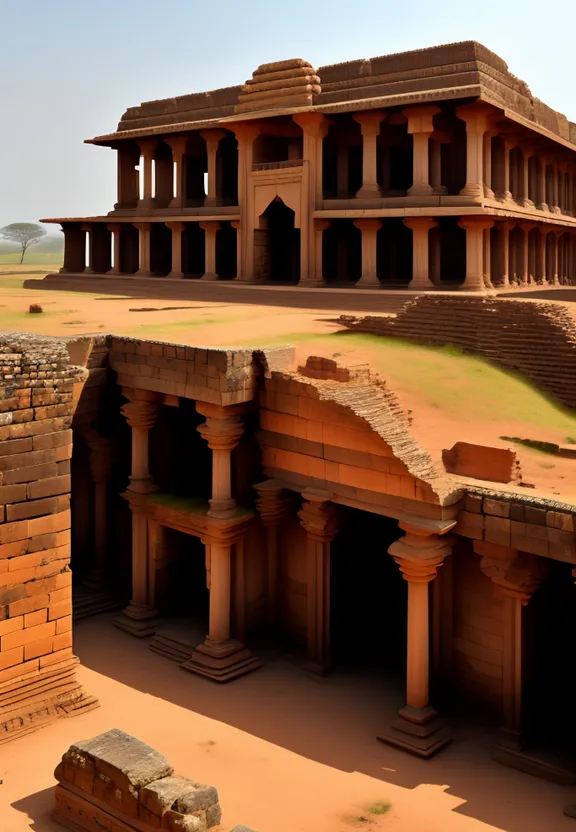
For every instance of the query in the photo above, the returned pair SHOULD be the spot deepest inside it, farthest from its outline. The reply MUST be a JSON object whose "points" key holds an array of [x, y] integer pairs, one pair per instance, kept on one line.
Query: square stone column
{"points": [[420, 227], [487, 163], [319, 518], [147, 148], [542, 168], [274, 506], [115, 228], [527, 153], [555, 207], [176, 228], [140, 618], [541, 264], [420, 125], [505, 194], [418, 728], [212, 139], [178, 146], [476, 118], [517, 575], [210, 229], [503, 272], [556, 234], [369, 229], [128, 185], [314, 129], [475, 267], [143, 248], [74, 249], [526, 275], [320, 226], [369, 122]]}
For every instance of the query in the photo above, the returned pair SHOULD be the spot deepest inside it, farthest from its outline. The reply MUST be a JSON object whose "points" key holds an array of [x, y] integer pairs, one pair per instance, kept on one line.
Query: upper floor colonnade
{"points": [[423, 154]]}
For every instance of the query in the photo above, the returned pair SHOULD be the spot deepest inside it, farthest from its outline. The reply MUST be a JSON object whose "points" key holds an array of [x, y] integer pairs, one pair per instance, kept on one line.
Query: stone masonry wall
{"points": [[38, 392], [535, 339]]}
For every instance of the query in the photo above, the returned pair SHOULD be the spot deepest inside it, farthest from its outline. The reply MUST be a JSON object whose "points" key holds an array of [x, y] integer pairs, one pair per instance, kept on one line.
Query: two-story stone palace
{"points": [[432, 168]]}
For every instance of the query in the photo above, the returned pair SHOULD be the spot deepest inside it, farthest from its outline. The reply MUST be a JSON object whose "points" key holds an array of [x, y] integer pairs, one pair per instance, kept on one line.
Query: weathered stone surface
{"points": [[161, 795]]}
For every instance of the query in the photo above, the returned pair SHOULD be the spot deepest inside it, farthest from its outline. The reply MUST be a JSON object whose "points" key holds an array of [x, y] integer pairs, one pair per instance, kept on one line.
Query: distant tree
{"points": [[24, 234]]}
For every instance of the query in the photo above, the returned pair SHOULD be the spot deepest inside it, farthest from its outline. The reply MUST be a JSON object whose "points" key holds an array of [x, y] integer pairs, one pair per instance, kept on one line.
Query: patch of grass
{"points": [[32, 258], [571, 440], [175, 326], [547, 465], [381, 807], [535, 444]]}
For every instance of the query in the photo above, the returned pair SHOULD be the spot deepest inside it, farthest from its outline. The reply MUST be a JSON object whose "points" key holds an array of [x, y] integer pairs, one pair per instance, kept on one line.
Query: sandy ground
{"points": [[287, 753]]}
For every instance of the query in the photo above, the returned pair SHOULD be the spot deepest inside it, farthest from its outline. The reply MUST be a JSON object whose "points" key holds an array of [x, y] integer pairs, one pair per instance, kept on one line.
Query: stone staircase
{"points": [[534, 338]]}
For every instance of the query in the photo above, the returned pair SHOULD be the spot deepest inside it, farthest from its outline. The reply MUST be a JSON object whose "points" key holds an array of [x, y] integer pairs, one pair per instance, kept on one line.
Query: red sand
{"points": [[287, 753]]}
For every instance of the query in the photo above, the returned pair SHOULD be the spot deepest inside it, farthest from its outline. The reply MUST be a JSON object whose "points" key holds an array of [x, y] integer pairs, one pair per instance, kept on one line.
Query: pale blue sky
{"points": [[69, 68]]}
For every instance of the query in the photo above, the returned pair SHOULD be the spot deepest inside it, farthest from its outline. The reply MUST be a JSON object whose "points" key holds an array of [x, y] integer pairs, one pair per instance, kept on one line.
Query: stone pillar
{"points": [[147, 148], [176, 228], [320, 226], [542, 166], [246, 133], [222, 430], [555, 207], [319, 519], [237, 227], [476, 118], [178, 145], [475, 269], [418, 728], [526, 275], [506, 193], [420, 125], [487, 163], [370, 125], [74, 249], [517, 575], [504, 229], [487, 244], [556, 234], [139, 618], [369, 229], [115, 229], [89, 231], [527, 154], [143, 248], [541, 265], [274, 505], [314, 129], [212, 139], [210, 229], [100, 459], [420, 227]]}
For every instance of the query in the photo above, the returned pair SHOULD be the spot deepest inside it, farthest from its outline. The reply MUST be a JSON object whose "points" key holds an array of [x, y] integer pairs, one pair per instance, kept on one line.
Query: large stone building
{"points": [[433, 168]]}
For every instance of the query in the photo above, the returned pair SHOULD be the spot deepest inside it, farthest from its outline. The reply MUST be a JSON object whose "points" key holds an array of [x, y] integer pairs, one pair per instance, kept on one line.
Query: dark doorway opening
{"points": [[342, 253], [549, 683], [283, 243], [129, 249], [368, 596], [160, 249]]}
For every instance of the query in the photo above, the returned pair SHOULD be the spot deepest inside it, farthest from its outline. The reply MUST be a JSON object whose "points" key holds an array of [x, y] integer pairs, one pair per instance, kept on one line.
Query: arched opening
{"points": [[163, 176], [226, 252], [395, 156], [277, 245], [452, 252], [368, 604], [193, 250], [549, 683], [160, 249], [227, 170], [129, 249], [342, 253], [195, 171], [394, 253], [342, 159]]}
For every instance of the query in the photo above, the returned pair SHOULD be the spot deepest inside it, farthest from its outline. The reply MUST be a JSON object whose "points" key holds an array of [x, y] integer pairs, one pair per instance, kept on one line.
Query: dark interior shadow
{"points": [[334, 721]]}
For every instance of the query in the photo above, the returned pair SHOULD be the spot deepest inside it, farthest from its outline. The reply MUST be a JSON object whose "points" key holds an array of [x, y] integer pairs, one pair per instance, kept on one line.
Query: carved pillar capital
{"points": [[419, 553], [140, 414], [319, 517], [516, 574], [273, 502], [222, 434]]}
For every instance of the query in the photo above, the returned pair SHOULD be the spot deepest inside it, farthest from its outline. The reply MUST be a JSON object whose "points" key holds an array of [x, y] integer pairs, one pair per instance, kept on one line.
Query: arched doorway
{"points": [[277, 245]]}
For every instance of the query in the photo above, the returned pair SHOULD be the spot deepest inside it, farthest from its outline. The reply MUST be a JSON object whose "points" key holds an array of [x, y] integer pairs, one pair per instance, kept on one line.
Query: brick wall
{"points": [[39, 389]]}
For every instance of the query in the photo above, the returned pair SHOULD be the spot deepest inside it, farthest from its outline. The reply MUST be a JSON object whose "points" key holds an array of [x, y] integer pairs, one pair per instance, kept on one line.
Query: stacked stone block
{"points": [[38, 391], [116, 783]]}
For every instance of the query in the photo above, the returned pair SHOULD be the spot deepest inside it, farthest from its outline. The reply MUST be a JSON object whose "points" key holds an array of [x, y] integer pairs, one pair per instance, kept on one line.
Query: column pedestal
{"points": [[418, 729]]}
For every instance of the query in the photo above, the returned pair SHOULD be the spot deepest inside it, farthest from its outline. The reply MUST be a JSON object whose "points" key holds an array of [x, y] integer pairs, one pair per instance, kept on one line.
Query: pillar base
{"points": [[312, 284], [175, 275], [542, 206], [138, 620], [221, 661], [145, 204], [210, 276], [368, 282], [421, 190], [419, 731], [369, 192], [504, 196]]}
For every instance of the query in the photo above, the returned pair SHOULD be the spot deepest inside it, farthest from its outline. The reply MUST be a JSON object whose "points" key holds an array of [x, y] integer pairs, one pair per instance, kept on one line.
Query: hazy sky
{"points": [[69, 68]]}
